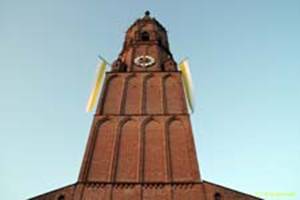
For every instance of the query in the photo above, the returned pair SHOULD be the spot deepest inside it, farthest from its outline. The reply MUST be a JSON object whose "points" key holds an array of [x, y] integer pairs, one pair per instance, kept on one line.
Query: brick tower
{"points": [[141, 144]]}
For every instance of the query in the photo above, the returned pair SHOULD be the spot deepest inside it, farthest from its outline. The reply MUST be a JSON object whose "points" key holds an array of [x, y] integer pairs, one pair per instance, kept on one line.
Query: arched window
{"points": [[61, 197], [218, 196], [145, 36]]}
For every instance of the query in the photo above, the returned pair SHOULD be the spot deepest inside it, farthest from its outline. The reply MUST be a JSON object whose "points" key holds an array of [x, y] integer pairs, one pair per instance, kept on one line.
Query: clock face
{"points": [[144, 61]]}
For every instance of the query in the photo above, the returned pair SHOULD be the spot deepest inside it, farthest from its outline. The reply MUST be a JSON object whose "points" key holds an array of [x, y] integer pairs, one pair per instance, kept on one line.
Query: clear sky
{"points": [[245, 62]]}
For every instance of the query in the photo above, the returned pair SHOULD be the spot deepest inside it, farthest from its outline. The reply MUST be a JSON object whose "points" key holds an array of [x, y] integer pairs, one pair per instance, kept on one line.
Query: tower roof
{"points": [[146, 44], [146, 19]]}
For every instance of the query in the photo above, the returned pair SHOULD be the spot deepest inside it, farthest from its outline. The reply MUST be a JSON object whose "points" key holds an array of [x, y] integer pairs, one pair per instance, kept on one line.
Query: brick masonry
{"points": [[141, 143]]}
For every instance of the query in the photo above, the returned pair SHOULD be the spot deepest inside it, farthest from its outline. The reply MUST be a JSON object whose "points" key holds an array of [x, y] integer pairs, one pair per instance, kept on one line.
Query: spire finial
{"points": [[147, 13]]}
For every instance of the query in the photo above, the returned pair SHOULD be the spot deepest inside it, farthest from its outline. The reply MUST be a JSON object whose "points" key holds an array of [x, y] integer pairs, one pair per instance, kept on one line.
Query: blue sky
{"points": [[245, 62]]}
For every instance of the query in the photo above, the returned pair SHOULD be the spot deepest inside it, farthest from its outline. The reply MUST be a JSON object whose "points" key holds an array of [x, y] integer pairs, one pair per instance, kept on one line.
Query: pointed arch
{"points": [[133, 95], [128, 154], [101, 163], [153, 95], [174, 99], [179, 152], [154, 152], [114, 92]]}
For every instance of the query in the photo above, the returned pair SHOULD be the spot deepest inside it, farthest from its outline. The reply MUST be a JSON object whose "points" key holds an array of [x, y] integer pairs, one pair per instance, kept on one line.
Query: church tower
{"points": [[141, 132], [141, 144]]}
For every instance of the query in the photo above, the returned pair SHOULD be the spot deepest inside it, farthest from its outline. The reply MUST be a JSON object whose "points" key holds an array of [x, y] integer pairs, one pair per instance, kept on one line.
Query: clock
{"points": [[144, 61]]}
